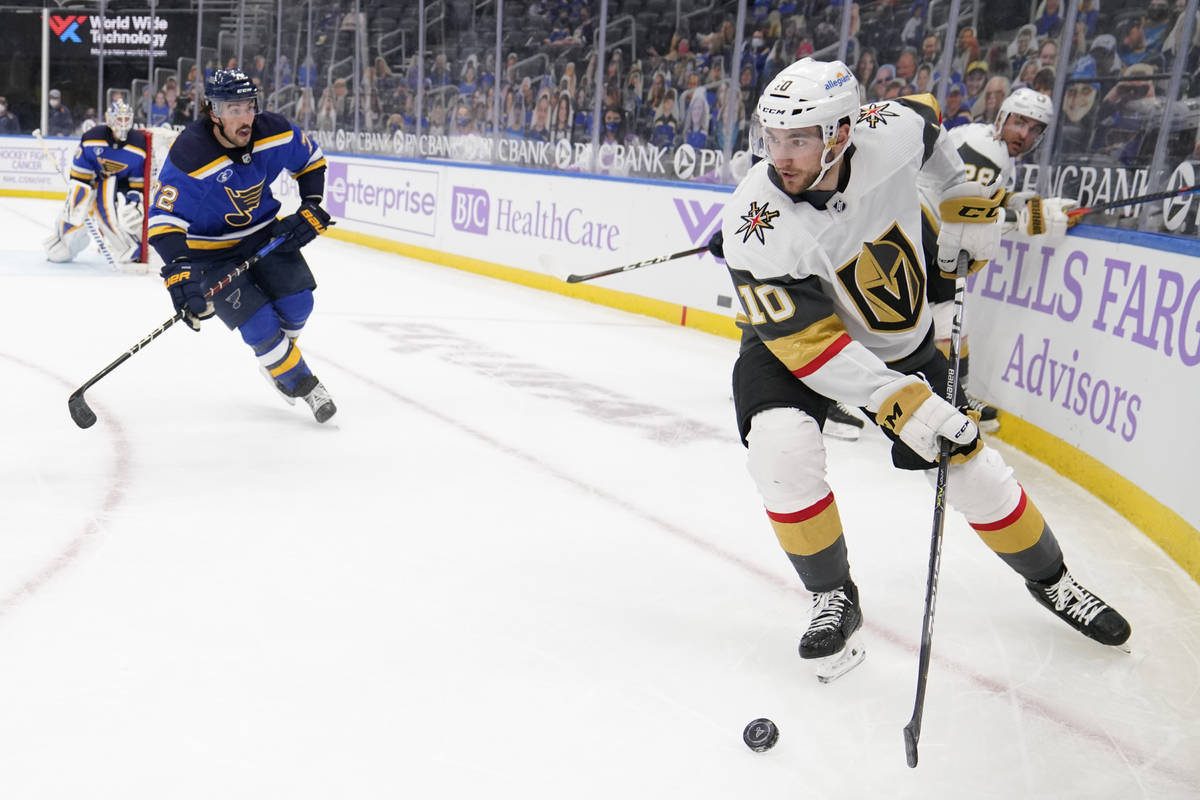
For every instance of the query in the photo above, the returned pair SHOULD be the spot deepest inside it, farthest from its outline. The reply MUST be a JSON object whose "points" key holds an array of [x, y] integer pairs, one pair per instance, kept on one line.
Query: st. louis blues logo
{"points": [[244, 202], [875, 114], [755, 222], [110, 166]]}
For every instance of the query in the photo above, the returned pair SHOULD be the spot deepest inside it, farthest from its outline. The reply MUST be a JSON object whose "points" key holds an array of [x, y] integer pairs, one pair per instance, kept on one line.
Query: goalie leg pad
{"points": [[63, 245]]}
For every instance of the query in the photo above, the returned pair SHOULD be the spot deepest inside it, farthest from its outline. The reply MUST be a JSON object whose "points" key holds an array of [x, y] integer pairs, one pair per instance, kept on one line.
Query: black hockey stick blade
{"points": [[911, 734], [1132, 201], [83, 416]]}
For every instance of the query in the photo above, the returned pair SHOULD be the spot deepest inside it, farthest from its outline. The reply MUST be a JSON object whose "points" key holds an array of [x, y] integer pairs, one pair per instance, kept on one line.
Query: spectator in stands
{"points": [[1043, 81], [614, 127], [967, 50], [632, 98], [1131, 41], [327, 116], [439, 73], [258, 74], [514, 115], [1157, 24], [883, 76], [386, 82], [305, 113], [730, 118], [581, 126], [561, 122], [160, 112], [954, 114], [914, 28], [283, 72], [171, 91], [994, 93], [306, 75], [1022, 48], [467, 81], [59, 121], [1126, 98], [568, 77], [658, 90], [666, 124], [977, 76], [923, 82], [184, 109], [931, 48], [539, 123], [906, 65], [1048, 53], [9, 124], [1089, 14], [1078, 114], [88, 122], [1100, 61], [696, 119], [1049, 18], [1025, 77], [866, 66], [895, 88], [437, 119]]}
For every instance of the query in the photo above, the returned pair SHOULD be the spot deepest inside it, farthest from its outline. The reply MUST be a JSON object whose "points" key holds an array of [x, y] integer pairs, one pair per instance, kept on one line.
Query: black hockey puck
{"points": [[760, 735]]}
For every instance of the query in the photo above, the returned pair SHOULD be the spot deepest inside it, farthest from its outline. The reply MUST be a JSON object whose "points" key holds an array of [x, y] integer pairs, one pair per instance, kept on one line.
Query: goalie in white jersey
{"points": [[827, 246], [990, 152]]}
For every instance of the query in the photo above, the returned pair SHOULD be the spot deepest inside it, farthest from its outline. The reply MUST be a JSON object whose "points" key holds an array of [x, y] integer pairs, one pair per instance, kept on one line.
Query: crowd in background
{"points": [[672, 87]]}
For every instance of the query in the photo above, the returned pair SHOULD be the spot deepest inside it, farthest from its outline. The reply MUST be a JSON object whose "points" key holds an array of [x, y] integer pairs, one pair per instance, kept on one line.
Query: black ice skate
{"points": [[842, 423], [277, 386], [989, 415], [1085, 612], [316, 396], [829, 641]]}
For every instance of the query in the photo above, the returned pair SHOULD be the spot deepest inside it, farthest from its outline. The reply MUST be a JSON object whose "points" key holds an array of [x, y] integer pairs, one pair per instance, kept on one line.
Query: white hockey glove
{"points": [[129, 213], [1046, 217], [909, 409], [971, 220]]}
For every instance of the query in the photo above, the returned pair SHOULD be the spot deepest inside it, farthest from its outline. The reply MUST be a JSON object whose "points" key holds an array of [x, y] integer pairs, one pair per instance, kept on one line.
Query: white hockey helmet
{"points": [[1027, 103], [119, 118], [805, 94]]}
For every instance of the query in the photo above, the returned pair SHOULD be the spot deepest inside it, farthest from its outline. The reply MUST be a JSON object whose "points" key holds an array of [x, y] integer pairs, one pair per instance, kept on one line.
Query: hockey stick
{"points": [[88, 222], [1143, 198], [660, 259], [83, 416], [912, 731]]}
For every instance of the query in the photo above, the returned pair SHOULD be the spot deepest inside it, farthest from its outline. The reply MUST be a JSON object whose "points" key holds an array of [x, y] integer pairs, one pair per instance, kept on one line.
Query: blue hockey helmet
{"points": [[229, 85], [119, 119]]}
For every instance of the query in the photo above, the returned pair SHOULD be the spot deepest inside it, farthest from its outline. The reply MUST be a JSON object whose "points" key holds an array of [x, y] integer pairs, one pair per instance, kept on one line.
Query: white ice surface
{"points": [[523, 560]]}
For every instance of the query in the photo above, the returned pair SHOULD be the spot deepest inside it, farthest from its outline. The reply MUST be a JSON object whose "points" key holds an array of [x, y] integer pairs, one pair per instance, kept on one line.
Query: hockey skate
{"points": [[276, 386], [989, 415], [842, 423], [830, 641], [316, 396], [1071, 602]]}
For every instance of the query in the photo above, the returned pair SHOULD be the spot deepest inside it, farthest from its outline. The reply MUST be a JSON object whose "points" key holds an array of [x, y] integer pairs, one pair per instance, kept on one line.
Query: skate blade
{"points": [[840, 430], [291, 401], [989, 425], [830, 668]]}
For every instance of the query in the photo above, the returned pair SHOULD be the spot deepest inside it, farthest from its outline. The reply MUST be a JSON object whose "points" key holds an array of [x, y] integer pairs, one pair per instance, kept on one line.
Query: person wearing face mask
{"points": [[9, 124], [59, 122], [1158, 22]]}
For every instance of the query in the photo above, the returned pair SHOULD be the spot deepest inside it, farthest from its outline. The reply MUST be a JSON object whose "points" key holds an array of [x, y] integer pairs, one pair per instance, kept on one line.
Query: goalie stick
{"points": [[81, 413], [548, 263], [912, 731], [1130, 201], [88, 222]]}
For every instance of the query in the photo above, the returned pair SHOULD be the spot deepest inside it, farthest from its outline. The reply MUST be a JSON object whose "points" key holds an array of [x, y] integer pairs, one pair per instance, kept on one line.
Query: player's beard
{"points": [[238, 136], [795, 178]]}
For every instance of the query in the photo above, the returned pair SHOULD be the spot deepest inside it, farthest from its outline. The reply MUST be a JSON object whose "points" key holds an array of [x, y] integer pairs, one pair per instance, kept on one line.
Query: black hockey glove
{"points": [[300, 228], [716, 245], [183, 282]]}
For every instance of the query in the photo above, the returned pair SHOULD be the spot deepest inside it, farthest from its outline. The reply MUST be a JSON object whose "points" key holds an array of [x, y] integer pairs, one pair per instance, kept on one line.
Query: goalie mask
{"points": [[806, 94], [119, 119], [1027, 103]]}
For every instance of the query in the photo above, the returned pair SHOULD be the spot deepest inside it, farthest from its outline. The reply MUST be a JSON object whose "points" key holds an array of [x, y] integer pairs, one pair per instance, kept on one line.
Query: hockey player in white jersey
{"points": [[824, 242], [990, 152], [104, 192]]}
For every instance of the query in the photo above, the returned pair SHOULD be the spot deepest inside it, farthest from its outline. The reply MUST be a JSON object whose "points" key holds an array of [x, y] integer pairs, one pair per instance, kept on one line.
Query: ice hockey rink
{"points": [[523, 560]]}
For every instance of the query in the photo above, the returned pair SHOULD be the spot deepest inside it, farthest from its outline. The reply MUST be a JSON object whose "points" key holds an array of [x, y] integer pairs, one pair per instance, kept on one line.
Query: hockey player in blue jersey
{"points": [[214, 209], [104, 191]]}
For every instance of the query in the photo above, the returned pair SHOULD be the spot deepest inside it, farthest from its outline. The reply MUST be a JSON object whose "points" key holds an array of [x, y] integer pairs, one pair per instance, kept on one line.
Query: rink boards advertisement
{"points": [[1095, 340], [26, 166]]}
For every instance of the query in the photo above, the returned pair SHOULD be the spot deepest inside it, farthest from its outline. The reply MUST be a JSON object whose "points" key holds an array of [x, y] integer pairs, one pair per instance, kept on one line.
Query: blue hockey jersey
{"points": [[100, 156], [210, 198]]}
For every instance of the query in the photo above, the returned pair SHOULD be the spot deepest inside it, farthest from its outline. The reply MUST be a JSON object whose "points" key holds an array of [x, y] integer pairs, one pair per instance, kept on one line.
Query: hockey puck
{"points": [[760, 735]]}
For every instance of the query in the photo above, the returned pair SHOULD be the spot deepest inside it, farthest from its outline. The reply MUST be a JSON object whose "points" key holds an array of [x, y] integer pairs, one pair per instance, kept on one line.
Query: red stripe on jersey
{"points": [[804, 513], [827, 354]]}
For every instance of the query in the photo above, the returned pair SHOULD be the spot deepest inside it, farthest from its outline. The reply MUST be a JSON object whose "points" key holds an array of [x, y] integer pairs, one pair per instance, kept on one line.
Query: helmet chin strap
{"points": [[826, 166]]}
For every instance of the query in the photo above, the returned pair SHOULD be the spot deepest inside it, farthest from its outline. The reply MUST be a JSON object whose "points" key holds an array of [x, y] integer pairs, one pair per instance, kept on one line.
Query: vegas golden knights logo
{"points": [[886, 282], [244, 202]]}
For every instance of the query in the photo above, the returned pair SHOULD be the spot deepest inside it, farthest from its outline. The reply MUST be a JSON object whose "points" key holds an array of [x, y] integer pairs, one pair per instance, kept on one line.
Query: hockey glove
{"points": [[971, 220], [908, 409], [183, 283], [300, 228], [1046, 216], [716, 245]]}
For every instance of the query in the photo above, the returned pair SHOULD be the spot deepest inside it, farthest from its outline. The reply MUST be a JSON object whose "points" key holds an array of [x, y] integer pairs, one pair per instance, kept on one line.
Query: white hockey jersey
{"points": [[985, 156], [834, 283]]}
